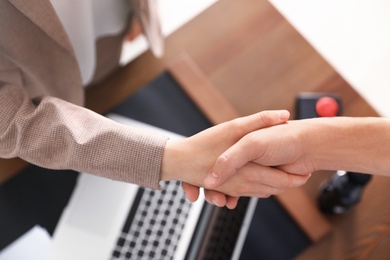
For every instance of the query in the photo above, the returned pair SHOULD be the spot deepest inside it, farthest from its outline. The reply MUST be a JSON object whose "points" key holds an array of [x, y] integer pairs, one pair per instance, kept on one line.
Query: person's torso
{"points": [[86, 21], [38, 51]]}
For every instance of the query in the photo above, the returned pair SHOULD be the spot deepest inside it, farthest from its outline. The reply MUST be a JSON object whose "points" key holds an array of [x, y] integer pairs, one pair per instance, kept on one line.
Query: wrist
{"points": [[170, 160], [322, 143], [346, 143], [183, 161]]}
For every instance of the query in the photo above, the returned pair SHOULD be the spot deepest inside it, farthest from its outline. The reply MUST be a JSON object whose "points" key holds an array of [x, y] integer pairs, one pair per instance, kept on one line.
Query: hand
{"points": [[251, 180], [278, 146], [191, 159]]}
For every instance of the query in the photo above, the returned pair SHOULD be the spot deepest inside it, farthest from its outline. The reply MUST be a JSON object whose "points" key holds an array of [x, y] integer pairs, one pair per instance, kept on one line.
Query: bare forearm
{"points": [[352, 144]]}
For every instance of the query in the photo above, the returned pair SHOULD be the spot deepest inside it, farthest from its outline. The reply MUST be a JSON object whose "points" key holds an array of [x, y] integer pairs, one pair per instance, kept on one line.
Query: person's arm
{"points": [[351, 144], [56, 134], [304, 146]]}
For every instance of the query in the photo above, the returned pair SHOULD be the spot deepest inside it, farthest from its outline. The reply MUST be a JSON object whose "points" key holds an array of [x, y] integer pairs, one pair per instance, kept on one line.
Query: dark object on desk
{"points": [[342, 192]]}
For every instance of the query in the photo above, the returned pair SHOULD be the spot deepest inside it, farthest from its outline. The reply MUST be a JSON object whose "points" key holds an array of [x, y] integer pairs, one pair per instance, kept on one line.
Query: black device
{"points": [[342, 192], [310, 105], [344, 189]]}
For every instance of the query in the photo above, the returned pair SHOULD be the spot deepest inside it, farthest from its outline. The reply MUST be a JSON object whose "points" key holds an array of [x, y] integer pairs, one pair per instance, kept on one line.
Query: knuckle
{"points": [[265, 117], [223, 161], [237, 127], [225, 165], [290, 182]]}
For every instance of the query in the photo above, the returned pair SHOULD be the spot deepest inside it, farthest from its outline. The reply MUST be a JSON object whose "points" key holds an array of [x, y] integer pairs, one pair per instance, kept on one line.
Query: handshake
{"points": [[265, 154]]}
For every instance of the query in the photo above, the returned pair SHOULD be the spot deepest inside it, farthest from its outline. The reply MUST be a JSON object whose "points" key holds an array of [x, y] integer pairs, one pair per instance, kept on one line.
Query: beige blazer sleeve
{"points": [[42, 120]]}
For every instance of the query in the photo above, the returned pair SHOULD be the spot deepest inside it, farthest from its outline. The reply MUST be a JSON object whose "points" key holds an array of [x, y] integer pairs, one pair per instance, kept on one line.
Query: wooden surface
{"points": [[258, 61], [201, 91], [10, 167]]}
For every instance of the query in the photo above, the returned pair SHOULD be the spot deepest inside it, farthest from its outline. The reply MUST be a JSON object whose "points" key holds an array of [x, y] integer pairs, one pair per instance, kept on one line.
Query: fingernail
{"points": [[212, 178], [214, 202], [283, 114]]}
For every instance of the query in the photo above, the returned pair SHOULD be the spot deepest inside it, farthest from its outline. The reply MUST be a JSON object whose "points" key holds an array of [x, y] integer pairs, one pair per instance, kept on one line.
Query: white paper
{"points": [[33, 245], [353, 36]]}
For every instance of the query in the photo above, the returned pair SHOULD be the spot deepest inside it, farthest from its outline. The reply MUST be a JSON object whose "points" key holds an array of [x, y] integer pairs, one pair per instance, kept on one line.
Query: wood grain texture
{"points": [[10, 167], [201, 91]]}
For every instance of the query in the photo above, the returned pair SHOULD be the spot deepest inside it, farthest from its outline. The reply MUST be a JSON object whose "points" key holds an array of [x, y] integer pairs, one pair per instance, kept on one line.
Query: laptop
{"points": [[107, 219]]}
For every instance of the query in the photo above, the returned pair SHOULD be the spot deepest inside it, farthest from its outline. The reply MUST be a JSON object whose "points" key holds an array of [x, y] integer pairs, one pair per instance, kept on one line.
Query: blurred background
{"points": [[352, 35]]}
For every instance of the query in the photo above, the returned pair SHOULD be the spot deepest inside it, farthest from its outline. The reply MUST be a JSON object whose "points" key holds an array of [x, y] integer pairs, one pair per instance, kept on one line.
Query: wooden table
{"points": [[258, 61]]}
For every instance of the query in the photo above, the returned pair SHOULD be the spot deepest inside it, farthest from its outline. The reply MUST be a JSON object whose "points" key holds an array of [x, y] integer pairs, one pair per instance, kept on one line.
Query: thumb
{"points": [[229, 163], [243, 151]]}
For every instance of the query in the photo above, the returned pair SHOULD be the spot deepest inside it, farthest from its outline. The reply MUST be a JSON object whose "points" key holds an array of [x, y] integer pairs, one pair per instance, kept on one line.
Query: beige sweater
{"points": [[41, 97]]}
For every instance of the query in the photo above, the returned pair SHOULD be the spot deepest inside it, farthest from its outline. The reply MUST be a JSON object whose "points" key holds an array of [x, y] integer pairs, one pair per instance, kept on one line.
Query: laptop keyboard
{"points": [[154, 224]]}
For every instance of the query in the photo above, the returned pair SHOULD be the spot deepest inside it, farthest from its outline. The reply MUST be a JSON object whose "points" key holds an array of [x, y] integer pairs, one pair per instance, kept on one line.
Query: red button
{"points": [[327, 107]]}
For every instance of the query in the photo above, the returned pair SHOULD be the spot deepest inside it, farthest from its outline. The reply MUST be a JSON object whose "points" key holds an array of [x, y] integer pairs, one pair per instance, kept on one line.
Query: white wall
{"points": [[353, 36]]}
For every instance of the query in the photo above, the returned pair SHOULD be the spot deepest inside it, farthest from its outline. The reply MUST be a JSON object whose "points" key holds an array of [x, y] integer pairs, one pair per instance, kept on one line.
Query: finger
{"points": [[215, 198], [191, 191], [228, 163], [280, 179], [260, 120], [270, 181], [231, 202], [232, 160]]}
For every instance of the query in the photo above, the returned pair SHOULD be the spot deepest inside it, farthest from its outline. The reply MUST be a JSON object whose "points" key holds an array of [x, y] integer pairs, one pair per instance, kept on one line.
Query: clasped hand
{"points": [[236, 159]]}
